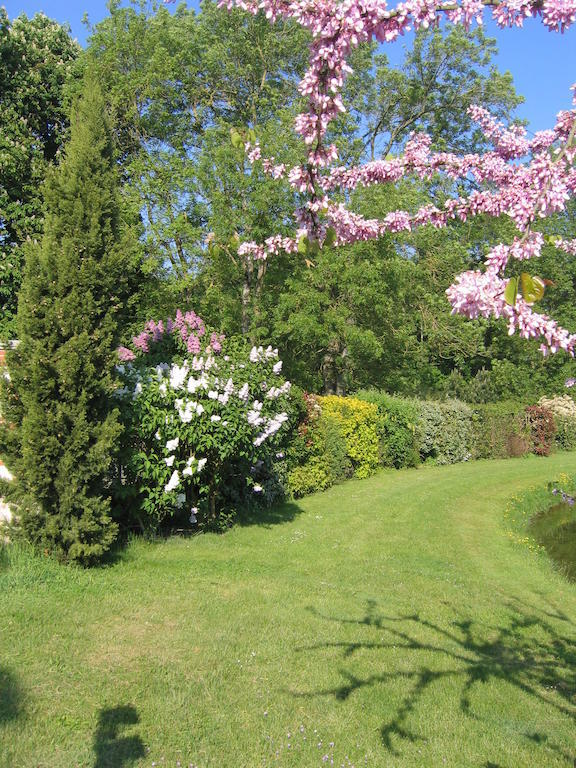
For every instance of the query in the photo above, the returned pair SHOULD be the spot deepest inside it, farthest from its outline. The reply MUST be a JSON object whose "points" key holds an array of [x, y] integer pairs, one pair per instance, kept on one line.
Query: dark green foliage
{"points": [[398, 428], [63, 427], [565, 437], [36, 59]]}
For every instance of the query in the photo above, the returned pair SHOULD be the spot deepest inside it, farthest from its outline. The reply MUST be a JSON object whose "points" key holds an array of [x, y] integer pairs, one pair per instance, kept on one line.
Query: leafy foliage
{"points": [[36, 59], [445, 429], [358, 422], [500, 430], [542, 429], [399, 445], [62, 428], [563, 408]]}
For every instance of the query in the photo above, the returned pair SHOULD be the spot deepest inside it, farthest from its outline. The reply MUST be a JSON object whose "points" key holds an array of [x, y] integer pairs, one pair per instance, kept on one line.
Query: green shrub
{"points": [[446, 431], [309, 478], [317, 456], [500, 431], [397, 428], [565, 437], [359, 425], [201, 426]]}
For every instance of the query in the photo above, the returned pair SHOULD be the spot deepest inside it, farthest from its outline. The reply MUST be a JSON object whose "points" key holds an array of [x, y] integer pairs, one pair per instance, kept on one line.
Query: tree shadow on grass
{"points": [[11, 698], [275, 515], [112, 748], [533, 650]]}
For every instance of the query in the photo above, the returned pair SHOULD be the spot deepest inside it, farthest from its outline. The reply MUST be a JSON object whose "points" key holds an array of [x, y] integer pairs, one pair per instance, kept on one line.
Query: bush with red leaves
{"points": [[542, 429]]}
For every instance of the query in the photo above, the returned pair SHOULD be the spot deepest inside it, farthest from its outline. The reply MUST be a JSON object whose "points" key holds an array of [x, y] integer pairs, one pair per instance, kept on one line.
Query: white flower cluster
{"points": [[182, 377], [193, 465], [275, 392], [187, 408], [219, 393], [272, 426], [259, 354], [561, 405]]}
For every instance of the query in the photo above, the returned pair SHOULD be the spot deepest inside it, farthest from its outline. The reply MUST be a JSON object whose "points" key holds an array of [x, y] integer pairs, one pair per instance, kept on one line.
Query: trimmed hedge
{"points": [[398, 429], [446, 432], [318, 456], [500, 431], [358, 423], [341, 437], [563, 409]]}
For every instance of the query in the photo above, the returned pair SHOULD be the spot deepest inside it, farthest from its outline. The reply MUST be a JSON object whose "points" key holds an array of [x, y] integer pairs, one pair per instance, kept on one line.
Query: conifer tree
{"points": [[77, 283]]}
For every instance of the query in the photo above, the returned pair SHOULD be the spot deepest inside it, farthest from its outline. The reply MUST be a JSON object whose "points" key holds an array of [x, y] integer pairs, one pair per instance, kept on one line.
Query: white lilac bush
{"points": [[201, 412]]}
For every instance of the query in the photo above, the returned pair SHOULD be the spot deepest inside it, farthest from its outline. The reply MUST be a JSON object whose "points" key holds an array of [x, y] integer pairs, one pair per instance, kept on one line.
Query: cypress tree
{"points": [[64, 427]]}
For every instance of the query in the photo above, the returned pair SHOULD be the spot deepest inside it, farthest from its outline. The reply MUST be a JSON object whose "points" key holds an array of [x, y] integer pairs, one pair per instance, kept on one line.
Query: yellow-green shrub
{"points": [[309, 478], [359, 422]]}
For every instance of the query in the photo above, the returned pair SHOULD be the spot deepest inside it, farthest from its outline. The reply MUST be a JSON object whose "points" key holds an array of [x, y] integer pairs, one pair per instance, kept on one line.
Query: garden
{"points": [[288, 432]]}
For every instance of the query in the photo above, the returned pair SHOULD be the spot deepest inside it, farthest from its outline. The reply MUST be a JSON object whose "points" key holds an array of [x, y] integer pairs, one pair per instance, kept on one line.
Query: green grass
{"points": [[392, 617]]}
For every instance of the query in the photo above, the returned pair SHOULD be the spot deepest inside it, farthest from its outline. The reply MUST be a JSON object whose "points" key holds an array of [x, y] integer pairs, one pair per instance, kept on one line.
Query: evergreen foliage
{"points": [[63, 423]]}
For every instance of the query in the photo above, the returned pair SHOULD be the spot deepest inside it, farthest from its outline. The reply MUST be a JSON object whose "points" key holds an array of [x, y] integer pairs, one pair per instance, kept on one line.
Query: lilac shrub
{"points": [[201, 412]]}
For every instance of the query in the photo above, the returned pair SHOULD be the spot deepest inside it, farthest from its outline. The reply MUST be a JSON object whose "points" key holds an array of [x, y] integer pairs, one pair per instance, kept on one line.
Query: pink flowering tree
{"points": [[204, 415], [525, 179]]}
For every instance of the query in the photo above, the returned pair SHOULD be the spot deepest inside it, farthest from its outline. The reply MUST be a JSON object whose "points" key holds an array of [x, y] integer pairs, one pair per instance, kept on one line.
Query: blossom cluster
{"points": [[523, 178], [188, 327], [562, 406], [193, 417]]}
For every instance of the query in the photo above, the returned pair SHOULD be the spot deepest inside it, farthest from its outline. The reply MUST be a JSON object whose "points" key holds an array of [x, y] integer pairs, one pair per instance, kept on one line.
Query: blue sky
{"points": [[542, 63]]}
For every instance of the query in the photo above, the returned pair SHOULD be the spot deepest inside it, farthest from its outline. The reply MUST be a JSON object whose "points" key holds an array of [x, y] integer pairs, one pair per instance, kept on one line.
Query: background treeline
{"points": [[176, 82]]}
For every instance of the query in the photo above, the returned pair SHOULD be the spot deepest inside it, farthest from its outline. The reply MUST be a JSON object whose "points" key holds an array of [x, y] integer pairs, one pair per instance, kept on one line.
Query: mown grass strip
{"points": [[386, 622]]}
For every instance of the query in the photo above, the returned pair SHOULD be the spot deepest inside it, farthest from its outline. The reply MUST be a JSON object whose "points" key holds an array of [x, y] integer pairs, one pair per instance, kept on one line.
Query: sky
{"points": [[542, 63]]}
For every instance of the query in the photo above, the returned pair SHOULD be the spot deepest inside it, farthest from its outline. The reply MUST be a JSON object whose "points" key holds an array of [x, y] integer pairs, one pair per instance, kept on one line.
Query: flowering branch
{"points": [[529, 178]]}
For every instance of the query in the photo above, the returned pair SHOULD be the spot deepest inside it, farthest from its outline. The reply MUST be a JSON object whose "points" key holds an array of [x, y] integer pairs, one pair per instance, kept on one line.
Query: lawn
{"points": [[386, 622]]}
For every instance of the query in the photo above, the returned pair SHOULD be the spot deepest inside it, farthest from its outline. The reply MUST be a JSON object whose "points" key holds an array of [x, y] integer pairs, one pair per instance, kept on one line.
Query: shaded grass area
{"points": [[386, 622]]}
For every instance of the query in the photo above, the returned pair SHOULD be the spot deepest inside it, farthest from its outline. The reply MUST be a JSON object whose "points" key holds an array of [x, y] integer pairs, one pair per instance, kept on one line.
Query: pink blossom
{"points": [[125, 355], [521, 177]]}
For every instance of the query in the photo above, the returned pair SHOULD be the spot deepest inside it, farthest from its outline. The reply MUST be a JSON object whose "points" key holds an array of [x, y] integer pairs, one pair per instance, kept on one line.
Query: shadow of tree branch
{"points": [[527, 651]]}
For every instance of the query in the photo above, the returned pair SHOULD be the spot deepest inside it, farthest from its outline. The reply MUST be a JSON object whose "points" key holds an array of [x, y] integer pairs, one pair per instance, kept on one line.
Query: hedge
{"points": [[340, 437]]}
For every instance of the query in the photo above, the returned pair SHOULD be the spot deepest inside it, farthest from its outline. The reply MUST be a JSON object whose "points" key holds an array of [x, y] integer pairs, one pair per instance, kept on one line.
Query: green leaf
{"points": [[236, 138], [214, 250], [511, 291], [303, 245], [532, 288], [313, 247], [330, 238], [540, 285]]}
